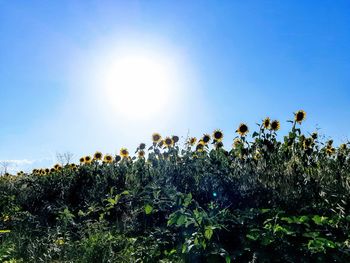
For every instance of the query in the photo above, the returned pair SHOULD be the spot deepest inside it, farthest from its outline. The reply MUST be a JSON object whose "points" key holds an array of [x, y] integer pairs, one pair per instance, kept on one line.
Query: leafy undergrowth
{"points": [[263, 200]]}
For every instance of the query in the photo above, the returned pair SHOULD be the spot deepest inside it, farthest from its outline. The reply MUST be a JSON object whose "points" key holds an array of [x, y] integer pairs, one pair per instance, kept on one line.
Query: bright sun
{"points": [[139, 86]]}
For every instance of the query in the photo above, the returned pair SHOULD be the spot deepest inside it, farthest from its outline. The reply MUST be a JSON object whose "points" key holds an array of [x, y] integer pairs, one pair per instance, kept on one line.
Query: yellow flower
{"points": [[156, 137], [218, 135], [57, 166], [168, 142], [82, 160], [206, 138], [108, 158], [87, 159], [275, 125], [97, 156], [266, 122], [142, 146], [330, 150], [242, 129], [192, 141], [200, 147], [60, 242], [218, 145], [300, 116], [307, 143], [236, 143], [124, 152], [141, 154]]}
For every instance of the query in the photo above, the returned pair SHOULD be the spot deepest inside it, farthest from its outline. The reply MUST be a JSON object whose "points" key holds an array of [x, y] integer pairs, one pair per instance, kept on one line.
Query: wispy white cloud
{"points": [[13, 166]]}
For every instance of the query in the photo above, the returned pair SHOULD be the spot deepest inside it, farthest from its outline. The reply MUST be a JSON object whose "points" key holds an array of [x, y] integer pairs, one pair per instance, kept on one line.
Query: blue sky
{"points": [[235, 61]]}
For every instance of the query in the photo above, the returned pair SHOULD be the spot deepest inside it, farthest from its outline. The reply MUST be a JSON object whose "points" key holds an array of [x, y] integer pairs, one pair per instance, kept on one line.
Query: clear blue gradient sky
{"points": [[240, 61]]}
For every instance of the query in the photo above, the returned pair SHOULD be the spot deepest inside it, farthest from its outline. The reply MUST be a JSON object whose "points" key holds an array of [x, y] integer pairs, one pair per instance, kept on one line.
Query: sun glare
{"points": [[139, 86]]}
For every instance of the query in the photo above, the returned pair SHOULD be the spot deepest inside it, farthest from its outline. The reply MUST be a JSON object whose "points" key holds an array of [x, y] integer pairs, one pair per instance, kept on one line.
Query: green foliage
{"points": [[264, 200]]}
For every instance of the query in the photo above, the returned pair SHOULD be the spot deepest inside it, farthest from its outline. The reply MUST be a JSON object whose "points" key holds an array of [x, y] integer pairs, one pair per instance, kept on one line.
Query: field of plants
{"points": [[266, 198]]}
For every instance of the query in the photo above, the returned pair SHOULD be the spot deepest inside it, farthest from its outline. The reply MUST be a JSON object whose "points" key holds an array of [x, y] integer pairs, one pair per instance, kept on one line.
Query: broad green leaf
{"points": [[148, 209], [208, 232]]}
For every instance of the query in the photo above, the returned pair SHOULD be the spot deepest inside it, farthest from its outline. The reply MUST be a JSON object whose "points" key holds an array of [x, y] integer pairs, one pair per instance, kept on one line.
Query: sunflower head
{"points": [[108, 158], [343, 147], [52, 170], [218, 135], [275, 125], [266, 122], [117, 158], [156, 137], [168, 142], [191, 141], [124, 152], [206, 138], [97, 156], [57, 166], [161, 143], [87, 159], [307, 143], [242, 129], [47, 170], [175, 138], [300, 116], [219, 145], [142, 146], [330, 150], [141, 154], [82, 160], [200, 147], [237, 143]]}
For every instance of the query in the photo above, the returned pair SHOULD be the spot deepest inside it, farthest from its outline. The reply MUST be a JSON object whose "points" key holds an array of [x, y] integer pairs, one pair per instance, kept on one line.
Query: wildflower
{"points": [[275, 125], [141, 154], [300, 116], [156, 137], [108, 158], [168, 142], [87, 159], [242, 129], [192, 141], [175, 138], [218, 135], [97, 156], [206, 138], [124, 152], [266, 122]]}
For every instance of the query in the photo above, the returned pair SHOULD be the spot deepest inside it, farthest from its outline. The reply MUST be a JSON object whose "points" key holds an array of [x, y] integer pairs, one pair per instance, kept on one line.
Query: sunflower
{"points": [[35, 171], [87, 159], [343, 147], [156, 137], [242, 129], [47, 170], [117, 158], [330, 150], [142, 146], [314, 135], [275, 125], [236, 143], [52, 170], [307, 143], [141, 154], [206, 138], [124, 152], [191, 141], [82, 160], [300, 116], [168, 142], [200, 147], [108, 158], [219, 145], [175, 138], [266, 122], [161, 143], [97, 156], [56, 166], [218, 135]]}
